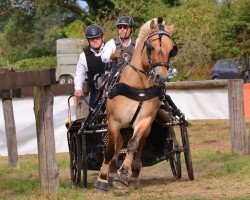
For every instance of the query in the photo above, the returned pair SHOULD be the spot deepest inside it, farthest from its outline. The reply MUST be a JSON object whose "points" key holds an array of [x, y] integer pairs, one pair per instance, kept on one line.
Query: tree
{"points": [[193, 21], [231, 30], [193, 59]]}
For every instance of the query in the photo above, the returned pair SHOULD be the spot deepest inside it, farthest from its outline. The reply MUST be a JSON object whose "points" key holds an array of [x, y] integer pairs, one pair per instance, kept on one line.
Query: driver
{"points": [[120, 48], [90, 63]]}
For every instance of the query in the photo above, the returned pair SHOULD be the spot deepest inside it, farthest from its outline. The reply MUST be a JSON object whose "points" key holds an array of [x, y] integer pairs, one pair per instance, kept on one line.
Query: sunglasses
{"points": [[123, 26]]}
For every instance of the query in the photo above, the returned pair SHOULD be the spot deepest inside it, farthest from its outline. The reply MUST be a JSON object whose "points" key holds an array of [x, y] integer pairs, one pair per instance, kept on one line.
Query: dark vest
{"points": [[126, 51], [95, 66]]}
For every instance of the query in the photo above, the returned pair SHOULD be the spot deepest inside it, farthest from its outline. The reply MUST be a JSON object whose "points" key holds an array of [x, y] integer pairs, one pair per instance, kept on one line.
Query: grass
{"points": [[219, 174]]}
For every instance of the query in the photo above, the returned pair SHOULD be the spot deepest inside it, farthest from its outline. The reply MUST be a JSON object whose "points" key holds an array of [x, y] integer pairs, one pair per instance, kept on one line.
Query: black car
{"points": [[229, 69]]}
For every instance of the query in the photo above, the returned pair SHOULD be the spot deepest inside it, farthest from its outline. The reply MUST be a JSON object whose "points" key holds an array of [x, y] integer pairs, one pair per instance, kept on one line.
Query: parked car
{"points": [[229, 69]]}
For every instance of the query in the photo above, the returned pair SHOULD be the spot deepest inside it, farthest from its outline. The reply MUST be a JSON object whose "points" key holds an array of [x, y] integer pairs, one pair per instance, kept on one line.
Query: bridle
{"points": [[149, 49]]}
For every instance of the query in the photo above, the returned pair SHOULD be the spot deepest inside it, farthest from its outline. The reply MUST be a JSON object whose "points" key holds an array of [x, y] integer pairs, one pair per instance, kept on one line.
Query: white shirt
{"points": [[82, 68], [109, 48]]}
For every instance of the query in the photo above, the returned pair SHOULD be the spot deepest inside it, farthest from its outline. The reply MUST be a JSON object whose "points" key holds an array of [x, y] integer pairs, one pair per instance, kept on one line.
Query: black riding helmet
{"points": [[125, 20], [93, 31]]}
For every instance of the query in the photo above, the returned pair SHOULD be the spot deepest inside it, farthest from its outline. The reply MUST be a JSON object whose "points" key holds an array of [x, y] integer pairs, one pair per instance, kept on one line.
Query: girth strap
{"points": [[136, 113]]}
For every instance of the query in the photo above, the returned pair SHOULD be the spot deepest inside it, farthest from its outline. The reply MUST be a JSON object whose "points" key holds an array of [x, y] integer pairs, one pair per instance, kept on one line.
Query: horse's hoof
{"points": [[123, 178], [134, 183], [111, 178], [120, 185], [120, 181], [101, 184]]}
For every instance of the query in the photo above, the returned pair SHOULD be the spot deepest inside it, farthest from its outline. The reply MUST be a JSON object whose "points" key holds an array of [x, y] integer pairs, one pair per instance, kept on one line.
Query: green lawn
{"points": [[219, 174]]}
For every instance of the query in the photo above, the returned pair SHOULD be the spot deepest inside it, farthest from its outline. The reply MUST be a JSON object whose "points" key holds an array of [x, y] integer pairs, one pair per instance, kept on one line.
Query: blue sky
{"points": [[83, 5]]}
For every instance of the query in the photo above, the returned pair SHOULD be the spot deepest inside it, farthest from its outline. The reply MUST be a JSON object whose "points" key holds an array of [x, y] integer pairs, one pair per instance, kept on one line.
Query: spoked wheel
{"points": [[174, 154], [187, 152], [75, 159]]}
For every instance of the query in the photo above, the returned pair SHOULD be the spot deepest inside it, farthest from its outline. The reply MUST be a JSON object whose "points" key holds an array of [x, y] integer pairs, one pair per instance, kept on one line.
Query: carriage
{"points": [[115, 138], [87, 138]]}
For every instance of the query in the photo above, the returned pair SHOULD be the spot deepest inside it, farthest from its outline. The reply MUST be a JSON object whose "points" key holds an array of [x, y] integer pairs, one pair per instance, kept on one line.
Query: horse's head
{"points": [[158, 47]]}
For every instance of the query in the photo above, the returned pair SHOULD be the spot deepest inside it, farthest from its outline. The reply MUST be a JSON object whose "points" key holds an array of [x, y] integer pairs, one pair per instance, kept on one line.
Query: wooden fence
{"points": [[43, 80], [239, 141]]}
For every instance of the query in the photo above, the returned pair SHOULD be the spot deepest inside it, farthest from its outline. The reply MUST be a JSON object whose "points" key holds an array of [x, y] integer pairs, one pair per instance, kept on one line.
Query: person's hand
{"points": [[116, 54], [78, 93]]}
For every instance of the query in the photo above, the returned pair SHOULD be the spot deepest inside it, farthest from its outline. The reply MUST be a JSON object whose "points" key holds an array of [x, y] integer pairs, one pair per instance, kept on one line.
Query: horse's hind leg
{"points": [[102, 181]]}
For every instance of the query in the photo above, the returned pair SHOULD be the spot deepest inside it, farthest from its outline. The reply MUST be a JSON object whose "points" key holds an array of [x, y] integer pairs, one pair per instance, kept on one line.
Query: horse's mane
{"points": [[146, 27]]}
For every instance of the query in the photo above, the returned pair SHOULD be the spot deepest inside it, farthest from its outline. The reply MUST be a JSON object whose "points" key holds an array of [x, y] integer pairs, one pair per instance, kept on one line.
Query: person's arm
{"points": [[108, 49], [80, 75]]}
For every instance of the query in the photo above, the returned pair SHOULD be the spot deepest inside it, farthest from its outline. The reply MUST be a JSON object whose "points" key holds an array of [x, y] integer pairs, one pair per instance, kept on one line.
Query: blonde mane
{"points": [[145, 28]]}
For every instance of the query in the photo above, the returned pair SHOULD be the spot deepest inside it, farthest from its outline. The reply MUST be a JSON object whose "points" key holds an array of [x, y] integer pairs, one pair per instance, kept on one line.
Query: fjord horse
{"points": [[143, 77]]}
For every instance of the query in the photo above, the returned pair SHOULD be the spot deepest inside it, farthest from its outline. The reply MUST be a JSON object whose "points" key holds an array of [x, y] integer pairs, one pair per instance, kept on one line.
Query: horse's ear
{"points": [[170, 28], [152, 25]]}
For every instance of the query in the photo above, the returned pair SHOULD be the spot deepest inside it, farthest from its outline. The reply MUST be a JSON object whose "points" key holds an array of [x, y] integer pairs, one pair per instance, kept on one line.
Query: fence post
{"points": [[10, 129], [43, 108], [81, 109], [236, 115]]}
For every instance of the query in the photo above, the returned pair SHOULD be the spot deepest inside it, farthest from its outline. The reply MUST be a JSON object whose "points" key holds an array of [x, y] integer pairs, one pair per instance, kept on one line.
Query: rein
{"points": [[136, 69]]}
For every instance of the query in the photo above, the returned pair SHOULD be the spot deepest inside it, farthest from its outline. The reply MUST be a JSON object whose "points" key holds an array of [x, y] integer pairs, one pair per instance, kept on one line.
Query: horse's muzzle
{"points": [[159, 75]]}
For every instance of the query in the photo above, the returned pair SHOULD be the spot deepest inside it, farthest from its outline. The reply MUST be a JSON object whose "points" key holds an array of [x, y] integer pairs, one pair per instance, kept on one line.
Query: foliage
{"points": [[232, 25], [192, 34], [3, 62], [192, 56], [15, 53], [205, 30], [75, 29], [19, 29], [36, 63]]}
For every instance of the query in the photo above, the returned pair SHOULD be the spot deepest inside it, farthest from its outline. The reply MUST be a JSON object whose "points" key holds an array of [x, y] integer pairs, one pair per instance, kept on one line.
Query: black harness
{"points": [[135, 94]]}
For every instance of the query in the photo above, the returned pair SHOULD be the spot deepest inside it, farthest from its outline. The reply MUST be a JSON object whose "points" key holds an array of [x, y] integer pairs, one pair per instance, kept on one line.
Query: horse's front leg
{"points": [[113, 166], [121, 181], [137, 165], [102, 181]]}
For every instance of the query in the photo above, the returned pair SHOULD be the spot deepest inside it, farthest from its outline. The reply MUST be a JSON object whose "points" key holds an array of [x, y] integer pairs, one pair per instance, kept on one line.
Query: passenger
{"points": [[120, 48], [90, 63]]}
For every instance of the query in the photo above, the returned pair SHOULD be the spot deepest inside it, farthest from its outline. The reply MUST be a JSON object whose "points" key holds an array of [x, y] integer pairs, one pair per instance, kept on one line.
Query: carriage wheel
{"points": [[75, 159], [175, 164], [84, 160], [174, 154], [187, 152]]}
